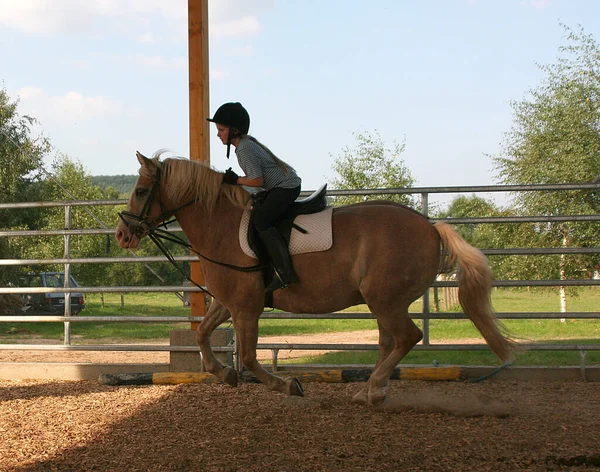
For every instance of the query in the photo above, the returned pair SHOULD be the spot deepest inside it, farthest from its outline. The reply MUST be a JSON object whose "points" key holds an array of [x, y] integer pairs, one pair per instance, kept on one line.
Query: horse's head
{"points": [[144, 210]]}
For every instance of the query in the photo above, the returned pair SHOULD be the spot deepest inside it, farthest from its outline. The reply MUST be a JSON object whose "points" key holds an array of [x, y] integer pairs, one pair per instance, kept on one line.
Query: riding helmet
{"points": [[234, 115]]}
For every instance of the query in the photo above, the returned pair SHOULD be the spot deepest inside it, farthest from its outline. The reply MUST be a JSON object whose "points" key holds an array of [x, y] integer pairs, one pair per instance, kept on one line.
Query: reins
{"points": [[151, 228]]}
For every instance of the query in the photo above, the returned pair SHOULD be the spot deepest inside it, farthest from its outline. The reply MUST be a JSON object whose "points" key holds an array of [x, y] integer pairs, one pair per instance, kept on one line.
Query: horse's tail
{"points": [[474, 290]]}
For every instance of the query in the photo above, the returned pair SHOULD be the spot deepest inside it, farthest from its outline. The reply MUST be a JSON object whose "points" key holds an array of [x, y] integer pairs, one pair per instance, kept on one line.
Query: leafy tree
{"points": [[122, 183], [499, 236], [371, 165], [21, 155], [555, 138]]}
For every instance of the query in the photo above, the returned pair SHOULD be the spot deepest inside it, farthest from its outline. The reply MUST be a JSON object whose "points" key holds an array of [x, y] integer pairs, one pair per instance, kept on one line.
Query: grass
{"points": [[504, 300]]}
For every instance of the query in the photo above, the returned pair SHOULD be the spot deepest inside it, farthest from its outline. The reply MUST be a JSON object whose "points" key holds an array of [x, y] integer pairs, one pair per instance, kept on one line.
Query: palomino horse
{"points": [[385, 255]]}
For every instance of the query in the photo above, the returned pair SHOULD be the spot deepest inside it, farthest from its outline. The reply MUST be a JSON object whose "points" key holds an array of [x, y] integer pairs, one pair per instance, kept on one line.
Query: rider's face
{"points": [[222, 133]]}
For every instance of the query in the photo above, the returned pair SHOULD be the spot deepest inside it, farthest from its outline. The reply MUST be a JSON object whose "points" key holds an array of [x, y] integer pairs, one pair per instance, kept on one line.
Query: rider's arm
{"points": [[257, 182]]}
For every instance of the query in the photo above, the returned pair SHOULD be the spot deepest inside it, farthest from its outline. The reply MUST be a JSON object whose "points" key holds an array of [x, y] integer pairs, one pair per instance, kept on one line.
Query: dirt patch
{"points": [[75, 426]]}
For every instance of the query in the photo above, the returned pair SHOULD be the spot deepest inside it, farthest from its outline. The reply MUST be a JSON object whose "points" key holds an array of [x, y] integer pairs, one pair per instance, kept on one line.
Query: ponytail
{"points": [[283, 165]]}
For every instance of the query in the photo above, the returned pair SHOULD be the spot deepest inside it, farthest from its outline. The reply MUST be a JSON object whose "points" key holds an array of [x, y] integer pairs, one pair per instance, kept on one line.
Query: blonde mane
{"points": [[194, 180]]}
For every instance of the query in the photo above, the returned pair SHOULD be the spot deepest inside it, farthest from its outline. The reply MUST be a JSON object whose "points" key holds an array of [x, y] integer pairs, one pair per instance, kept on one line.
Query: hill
{"points": [[123, 183]]}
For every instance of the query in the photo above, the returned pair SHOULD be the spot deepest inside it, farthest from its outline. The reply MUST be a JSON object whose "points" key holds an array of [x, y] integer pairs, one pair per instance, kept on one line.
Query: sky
{"points": [[108, 77]]}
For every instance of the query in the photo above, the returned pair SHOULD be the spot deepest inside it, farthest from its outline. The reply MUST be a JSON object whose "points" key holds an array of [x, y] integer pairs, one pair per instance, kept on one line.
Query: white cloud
{"points": [[92, 17], [227, 10], [245, 51], [216, 74], [538, 4], [155, 62], [149, 21], [247, 26], [28, 92], [71, 107], [148, 38]]}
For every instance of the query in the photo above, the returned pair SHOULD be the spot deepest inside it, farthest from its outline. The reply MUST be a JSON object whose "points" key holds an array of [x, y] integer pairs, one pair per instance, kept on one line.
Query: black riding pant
{"points": [[275, 203]]}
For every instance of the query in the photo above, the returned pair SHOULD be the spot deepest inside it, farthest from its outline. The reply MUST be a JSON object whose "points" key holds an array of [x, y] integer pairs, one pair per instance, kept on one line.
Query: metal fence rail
{"points": [[425, 316]]}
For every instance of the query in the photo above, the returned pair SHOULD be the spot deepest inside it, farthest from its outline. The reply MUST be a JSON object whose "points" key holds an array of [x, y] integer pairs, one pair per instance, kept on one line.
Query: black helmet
{"points": [[233, 115]]}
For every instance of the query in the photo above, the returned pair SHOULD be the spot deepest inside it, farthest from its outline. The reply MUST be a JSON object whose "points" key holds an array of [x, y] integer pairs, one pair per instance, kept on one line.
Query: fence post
{"points": [[67, 279], [425, 212]]}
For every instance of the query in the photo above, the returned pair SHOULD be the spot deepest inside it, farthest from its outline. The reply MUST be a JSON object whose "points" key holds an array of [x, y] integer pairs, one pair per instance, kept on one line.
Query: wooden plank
{"points": [[430, 373], [175, 378]]}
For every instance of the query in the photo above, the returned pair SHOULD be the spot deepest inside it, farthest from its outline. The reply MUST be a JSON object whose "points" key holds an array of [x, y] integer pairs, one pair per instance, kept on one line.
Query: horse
{"points": [[384, 255]]}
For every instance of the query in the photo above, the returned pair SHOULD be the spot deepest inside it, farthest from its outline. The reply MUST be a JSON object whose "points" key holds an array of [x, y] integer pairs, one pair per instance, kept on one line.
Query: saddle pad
{"points": [[318, 236]]}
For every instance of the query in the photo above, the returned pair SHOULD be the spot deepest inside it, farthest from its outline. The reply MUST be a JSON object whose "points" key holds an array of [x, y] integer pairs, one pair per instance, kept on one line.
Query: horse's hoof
{"points": [[295, 387], [361, 397], [230, 376], [376, 397]]}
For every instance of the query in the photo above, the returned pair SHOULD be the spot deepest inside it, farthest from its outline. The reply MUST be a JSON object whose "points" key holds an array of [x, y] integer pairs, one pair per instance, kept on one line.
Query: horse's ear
{"points": [[143, 160]]}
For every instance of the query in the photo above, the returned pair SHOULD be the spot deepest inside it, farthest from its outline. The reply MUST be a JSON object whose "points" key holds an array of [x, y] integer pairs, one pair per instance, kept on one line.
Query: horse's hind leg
{"points": [[216, 315], [246, 328], [406, 335], [386, 345]]}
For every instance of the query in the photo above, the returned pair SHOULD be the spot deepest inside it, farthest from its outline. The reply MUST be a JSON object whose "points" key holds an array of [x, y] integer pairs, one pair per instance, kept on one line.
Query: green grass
{"points": [[455, 358], [147, 304], [504, 300]]}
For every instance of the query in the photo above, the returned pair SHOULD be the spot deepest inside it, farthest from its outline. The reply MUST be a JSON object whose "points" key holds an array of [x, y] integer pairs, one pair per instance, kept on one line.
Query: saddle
{"points": [[315, 203]]}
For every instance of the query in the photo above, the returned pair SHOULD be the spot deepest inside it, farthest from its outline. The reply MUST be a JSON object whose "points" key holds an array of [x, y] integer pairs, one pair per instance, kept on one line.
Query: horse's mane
{"points": [[195, 180]]}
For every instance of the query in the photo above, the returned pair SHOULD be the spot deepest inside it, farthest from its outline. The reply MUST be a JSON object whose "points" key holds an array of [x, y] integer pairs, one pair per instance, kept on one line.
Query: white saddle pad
{"points": [[317, 238]]}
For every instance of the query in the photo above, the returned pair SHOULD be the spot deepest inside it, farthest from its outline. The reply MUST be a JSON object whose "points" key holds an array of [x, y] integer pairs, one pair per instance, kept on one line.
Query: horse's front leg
{"points": [[216, 315], [246, 329]]}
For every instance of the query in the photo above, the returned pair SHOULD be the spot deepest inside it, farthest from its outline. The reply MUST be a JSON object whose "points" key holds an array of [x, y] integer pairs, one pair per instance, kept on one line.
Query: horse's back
{"points": [[386, 230], [386, 217]]}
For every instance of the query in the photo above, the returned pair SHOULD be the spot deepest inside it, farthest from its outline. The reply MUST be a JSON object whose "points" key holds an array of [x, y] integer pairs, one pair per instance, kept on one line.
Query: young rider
{"points": [[264, 170]]}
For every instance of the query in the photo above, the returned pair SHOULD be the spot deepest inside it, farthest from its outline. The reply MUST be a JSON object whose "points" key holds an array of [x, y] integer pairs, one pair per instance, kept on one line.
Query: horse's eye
{"points": [[140, 192]]}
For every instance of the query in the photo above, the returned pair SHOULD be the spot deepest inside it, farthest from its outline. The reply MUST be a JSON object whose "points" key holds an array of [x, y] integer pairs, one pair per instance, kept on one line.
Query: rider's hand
{"points": [[230, 177]]}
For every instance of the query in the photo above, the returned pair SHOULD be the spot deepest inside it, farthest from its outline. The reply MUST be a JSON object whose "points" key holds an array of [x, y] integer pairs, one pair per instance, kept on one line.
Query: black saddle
{"points": [[314, 203]]}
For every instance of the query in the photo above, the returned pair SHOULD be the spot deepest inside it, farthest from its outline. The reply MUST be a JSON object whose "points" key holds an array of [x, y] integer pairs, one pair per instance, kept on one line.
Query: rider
{"points": [[264, 170]]}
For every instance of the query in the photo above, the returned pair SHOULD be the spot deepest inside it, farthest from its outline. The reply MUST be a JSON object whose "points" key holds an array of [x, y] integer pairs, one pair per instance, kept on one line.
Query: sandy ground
{"points": [[425, 426]]}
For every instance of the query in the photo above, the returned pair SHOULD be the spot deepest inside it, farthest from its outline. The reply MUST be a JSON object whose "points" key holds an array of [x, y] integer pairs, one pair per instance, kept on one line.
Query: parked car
{"points": [[50, 303]]}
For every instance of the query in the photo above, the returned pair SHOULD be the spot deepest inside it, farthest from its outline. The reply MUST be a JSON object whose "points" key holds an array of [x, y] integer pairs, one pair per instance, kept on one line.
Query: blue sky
{"points": [[109, 77]]}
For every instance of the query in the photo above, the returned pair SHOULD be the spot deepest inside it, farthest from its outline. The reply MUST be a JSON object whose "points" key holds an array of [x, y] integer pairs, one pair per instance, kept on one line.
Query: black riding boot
{"points": [[280, 257]]}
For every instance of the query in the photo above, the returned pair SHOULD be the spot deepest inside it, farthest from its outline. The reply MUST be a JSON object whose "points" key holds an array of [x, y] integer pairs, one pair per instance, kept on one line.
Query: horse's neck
{"points": [[214, 230]]}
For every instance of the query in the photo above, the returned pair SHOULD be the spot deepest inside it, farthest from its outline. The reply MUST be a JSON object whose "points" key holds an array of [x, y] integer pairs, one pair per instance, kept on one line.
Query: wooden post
{"points": [[199, 111]]}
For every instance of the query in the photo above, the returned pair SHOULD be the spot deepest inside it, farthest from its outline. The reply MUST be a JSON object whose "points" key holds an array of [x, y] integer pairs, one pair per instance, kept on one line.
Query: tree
{"points": [[371, 165], [555, 138], [20, 159], [497, 236]]}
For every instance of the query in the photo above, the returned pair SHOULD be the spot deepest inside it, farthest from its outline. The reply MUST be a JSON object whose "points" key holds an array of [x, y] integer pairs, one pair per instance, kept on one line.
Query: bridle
{"points": [[140, 225]]}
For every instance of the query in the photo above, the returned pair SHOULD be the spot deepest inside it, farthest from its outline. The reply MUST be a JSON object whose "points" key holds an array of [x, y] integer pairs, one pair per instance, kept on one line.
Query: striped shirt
{"points": [[257, 162]]}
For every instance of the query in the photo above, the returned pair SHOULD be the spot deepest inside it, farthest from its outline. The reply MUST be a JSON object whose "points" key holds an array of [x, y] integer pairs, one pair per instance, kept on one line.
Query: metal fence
{"points": [[425, 316]]}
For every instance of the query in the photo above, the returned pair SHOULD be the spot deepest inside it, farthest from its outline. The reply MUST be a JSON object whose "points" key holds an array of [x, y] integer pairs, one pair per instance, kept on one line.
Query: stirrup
{"points": [[276, 283]]}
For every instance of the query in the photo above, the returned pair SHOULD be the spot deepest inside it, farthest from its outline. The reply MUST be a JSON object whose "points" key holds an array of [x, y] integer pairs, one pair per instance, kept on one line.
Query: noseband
{"points": [[139, 225]]}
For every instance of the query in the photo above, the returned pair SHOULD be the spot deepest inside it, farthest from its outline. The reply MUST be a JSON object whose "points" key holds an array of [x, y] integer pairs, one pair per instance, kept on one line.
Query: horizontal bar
{"points": [[287, 347], [93, 260], [380, 191], [428, 347], [126, 289], [465, 189], [288, 316], [519, 219], [99, 319], [64, 203], [538, 251], [174, 229], [110, 347], [179, 288], [529, 283], [109, 260]]}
